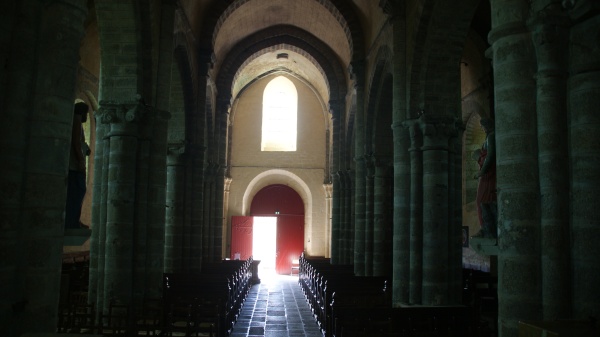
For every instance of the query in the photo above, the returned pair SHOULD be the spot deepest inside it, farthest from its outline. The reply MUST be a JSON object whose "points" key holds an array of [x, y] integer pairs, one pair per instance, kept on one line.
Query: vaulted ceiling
{"points": [[247, 22]]}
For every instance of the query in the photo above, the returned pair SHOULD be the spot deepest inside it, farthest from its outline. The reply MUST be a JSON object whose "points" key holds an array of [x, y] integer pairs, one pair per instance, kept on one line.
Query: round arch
{"points": [[278, 176]]}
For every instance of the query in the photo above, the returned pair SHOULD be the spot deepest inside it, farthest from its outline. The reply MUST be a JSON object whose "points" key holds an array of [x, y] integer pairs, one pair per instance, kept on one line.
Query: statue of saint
{"points": [[486, 200]]}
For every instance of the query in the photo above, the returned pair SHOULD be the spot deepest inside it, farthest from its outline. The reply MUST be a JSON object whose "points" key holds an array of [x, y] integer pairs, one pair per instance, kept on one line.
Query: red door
{"points": [[290, 241], [241, 237], [286, 204]]}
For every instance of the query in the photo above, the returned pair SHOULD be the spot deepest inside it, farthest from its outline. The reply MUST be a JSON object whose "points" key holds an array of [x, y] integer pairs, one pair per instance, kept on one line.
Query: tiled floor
{"points": [[276, 308]]}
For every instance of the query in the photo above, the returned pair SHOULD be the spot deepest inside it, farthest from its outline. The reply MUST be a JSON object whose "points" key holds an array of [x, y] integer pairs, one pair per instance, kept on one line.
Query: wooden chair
{"points": [[116, 322], [82, 319], [295, 267], [149, 319], [179, 318], [205, 319]]}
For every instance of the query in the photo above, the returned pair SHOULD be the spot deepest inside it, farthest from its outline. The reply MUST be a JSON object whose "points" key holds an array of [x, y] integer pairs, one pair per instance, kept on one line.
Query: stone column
{"points": [[584, 128], [40, 55], [550, 41], [358, 68], [396, 10], [120, 209], [437, 132], [150, 209], [369, 195], [130, 233], [416, 212], [359, 216], [336, 232], [226, 193], [192, 244], [210, 176], [343, 216], [517, 167], [346, 215], [175, 201], [335, 220], [99, 204], [382, 258], [326, 240], [455, 212], [216, 231]]}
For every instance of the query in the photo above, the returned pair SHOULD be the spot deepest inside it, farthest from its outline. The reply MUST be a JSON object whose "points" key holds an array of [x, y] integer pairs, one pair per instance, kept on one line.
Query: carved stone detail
{"points": [[432, 132], [113, 112]]}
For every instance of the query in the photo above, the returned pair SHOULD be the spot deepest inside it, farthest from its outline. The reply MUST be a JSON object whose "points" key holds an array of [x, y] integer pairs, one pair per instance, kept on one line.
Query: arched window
{"points": [[279, 116]]}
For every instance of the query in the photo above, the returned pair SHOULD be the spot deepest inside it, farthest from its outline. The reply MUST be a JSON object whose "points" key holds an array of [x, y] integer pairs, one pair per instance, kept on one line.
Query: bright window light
{"points": [[279, 117]]}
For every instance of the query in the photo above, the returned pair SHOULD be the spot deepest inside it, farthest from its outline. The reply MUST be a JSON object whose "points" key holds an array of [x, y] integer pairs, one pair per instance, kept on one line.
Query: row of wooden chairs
{"points": [[118, 320], [345, 305], [327, 287], [219, 291], [203, 304]]}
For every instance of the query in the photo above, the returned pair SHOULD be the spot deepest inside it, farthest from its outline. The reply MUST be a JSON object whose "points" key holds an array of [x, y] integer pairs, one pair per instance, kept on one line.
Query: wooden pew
{"points": [[221, 288], [328, 286], [414, 321]]}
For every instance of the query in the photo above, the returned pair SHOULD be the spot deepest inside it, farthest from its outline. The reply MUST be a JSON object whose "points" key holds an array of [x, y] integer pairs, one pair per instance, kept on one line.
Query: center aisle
{"points": [[276, 308]]}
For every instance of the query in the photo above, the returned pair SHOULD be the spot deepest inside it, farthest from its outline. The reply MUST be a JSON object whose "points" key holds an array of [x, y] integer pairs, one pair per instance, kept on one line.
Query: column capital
{"points": [[415, 133], [356, 69], [111, 112], [175, 154], [433, 131], [176, 149]]}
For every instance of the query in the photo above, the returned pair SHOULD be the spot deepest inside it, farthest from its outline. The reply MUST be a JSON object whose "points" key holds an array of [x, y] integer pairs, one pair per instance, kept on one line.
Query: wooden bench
{"points": [[446, 321], [220, 288]]}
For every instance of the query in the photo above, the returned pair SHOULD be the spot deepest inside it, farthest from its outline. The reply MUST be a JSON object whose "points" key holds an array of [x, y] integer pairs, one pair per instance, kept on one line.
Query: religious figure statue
{"points": [[486, 199]]}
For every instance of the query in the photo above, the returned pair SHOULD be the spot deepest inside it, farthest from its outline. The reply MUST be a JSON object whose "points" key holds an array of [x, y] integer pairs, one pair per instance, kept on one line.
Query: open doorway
{"points": [[275, 229], [264, 244]]}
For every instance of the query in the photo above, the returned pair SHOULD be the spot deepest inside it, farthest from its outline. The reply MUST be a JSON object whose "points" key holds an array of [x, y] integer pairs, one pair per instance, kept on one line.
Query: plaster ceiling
{"points": [[246, 17], [295, 64]]}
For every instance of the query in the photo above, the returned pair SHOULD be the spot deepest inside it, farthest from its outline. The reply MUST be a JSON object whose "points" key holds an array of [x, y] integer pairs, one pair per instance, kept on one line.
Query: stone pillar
{"points": [[359, 216], [196, 214], [550, 41], [517, 167], [192, 245], [346, 220], [40, 55], [210, 176], [382, 257], [335, 220], [336, 232], [150, 209], [370, 177], [584, 128], [455, 212], [120, 209], [396, 10], [343, 216], [175, 201], [130, 235], [437, 132], [349, 259], [99, 203], [216, 231], [358, 69], [416, 212], [326, 241]]}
